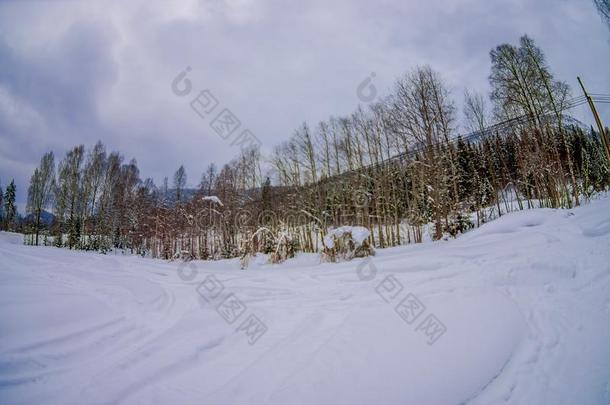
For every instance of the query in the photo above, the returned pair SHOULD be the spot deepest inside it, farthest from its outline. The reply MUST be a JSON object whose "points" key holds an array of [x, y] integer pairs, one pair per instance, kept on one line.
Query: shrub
{"points": [[345, 243], [458, 224]]}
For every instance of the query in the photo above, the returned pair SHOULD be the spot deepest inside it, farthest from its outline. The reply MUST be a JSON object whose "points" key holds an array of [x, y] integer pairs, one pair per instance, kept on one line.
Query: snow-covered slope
{"points": [[515, 312]]}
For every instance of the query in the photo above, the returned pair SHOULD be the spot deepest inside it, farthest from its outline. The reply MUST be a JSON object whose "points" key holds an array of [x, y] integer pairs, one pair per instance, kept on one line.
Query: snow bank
{"points": [[11, 238]]}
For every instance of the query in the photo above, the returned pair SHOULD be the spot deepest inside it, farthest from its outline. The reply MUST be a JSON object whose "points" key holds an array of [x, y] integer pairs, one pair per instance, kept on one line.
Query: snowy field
{"points": [[515, 312]]}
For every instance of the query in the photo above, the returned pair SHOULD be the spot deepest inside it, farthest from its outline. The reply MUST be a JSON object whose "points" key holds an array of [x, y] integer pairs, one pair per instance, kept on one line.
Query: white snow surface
{"points": [[359, 235], [525, 301]]}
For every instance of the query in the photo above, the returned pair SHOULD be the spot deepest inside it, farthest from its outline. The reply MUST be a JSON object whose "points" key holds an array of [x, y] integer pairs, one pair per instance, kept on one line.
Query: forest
{"points": [[398, 167]]}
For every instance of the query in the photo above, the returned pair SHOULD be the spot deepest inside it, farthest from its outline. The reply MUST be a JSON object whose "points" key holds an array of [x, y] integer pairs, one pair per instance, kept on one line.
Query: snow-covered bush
{"points": [[279, 247], [285, 248], [345, 243], [258, 241], [213, 199]]}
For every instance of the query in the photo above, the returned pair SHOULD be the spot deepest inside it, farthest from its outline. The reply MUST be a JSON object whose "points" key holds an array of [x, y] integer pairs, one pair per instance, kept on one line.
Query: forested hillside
{"points": [[398, 167]]}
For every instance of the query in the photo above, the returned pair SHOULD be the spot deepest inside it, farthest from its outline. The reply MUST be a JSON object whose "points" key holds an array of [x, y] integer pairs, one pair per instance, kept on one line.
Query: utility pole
{"points": [[598, 121]]}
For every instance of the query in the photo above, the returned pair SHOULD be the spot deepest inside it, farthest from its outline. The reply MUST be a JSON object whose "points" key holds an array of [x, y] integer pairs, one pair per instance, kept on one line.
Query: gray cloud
{"points": [[75, 72]]}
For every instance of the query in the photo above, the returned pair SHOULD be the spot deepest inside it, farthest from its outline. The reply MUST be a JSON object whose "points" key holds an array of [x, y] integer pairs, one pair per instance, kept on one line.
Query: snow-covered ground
{"points": [[516, 312]]}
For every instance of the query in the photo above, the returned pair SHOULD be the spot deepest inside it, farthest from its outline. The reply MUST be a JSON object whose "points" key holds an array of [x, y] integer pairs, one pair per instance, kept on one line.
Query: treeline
{"points": [[393, 167]]}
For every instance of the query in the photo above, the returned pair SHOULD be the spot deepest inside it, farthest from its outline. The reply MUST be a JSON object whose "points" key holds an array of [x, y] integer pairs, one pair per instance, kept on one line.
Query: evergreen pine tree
{"points": [[266, 195], [180, 183], [466, 181], [1, 208], [10, 209]]}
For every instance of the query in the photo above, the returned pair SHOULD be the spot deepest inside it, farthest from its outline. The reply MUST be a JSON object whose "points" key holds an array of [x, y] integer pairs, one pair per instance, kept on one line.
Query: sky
{"points": [[77, 72]]}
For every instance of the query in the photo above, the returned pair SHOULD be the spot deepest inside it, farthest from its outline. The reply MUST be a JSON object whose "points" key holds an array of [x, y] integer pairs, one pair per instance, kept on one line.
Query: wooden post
{"points": [[598, 121]]}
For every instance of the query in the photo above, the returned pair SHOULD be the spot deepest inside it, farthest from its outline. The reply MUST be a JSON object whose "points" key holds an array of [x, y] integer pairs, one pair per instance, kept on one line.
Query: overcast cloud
{"points": [[77, 72]]}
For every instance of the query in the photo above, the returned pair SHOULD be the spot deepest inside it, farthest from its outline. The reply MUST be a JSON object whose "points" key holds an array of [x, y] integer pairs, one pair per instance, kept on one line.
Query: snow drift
{"points": [[515, 312]]}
